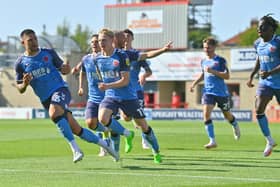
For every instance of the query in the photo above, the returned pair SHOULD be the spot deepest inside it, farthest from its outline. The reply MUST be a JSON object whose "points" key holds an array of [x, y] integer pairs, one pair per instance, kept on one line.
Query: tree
{"points": [[248, 37], [81, 37], [63, 30], [196, 37]]}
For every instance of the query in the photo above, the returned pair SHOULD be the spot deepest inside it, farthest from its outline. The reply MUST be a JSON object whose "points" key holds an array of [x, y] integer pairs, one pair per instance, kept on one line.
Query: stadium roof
{"points": [[64, 45], [59, 43]]}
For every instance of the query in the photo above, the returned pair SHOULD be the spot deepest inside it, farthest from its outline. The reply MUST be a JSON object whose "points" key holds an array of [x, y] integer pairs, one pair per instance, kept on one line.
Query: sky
{"points": [[228, 17]]}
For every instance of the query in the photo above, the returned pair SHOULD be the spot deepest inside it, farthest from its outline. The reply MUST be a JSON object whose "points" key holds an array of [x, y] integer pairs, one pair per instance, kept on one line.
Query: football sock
{"points": [[115, 140], [269, 139], [209, 127], [88, 136], [64, 128], [116, 127], [150, 137], [233, 122], [100, 128], [74, 146], [263, 123]]}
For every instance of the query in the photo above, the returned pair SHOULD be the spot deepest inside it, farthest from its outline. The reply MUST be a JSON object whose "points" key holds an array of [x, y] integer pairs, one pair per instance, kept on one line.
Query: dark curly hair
{"points": [[268, 19]]}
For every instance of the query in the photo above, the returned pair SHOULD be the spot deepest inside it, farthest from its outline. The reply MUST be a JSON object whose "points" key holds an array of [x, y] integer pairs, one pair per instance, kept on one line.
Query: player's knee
{"points": [[228, 115], [126, 118], [105, 122], [57, 114], [142, 123], [92, 124], [56, 119], [231, 119]]}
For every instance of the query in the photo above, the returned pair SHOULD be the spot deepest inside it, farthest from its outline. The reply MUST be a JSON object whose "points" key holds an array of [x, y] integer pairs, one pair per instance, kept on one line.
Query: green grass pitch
{"points": [[33, 153]]}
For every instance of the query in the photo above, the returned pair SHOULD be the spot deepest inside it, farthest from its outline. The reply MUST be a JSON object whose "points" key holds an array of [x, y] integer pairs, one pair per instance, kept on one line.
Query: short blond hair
{"points": [[107, 32], [211, 41]]}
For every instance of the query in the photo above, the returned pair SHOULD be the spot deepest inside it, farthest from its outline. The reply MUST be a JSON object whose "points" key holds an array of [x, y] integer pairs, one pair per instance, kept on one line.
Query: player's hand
{"points": [[102, 86], [168, 45], [208, 69], [74, 70], [250, 84], [264, 74], [27, 77], [81, 92], [142, 80], [191, 88], [65, 68]]}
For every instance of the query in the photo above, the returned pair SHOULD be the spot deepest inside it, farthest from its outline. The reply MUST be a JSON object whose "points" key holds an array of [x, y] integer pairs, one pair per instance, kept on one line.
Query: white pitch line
{"points": [[138, 174]]}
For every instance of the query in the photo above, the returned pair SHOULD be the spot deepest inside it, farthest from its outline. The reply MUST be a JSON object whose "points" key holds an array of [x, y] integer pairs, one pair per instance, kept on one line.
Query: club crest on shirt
{"points": [[216, 63], [272, 49], [116, 63], [45, 58]]}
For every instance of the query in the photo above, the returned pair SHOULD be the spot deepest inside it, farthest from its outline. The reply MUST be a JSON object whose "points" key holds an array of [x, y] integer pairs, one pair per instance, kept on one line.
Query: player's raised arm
{"points": [[76, 69], [154, 53]]}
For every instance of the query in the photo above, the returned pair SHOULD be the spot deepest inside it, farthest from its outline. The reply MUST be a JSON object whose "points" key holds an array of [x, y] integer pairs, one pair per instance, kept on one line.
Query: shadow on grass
{"points": [[229, 161], [169, 165]]}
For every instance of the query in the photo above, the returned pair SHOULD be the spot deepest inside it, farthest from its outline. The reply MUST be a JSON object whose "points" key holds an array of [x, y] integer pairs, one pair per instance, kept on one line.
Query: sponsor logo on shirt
{"points": [[127, 61], [265, 59]]}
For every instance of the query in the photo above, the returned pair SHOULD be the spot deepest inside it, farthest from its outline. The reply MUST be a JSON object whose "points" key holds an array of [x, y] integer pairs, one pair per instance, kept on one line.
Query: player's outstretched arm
{"points": [[76, 68], [154, 53]]}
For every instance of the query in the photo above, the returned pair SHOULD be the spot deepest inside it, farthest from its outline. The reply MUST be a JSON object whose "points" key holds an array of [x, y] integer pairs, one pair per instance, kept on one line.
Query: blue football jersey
{"points": [[269, 57], [133, 54], [94, 93], [44, 68], [111, 68], [135, 68], [213, 84]]}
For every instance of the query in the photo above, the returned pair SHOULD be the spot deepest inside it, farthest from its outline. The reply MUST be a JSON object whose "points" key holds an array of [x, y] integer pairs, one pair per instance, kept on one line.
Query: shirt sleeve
{"points": [[57, 61], [83, 64], [19, 71]]}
